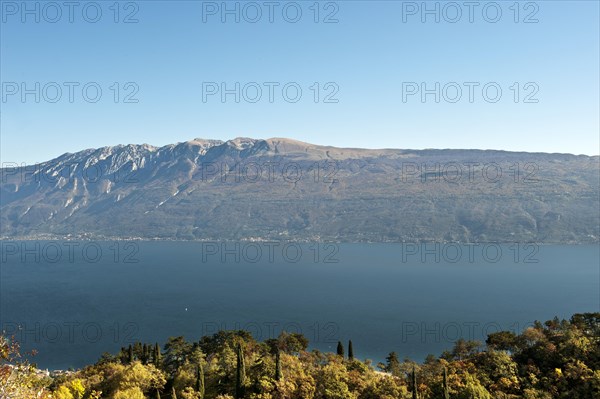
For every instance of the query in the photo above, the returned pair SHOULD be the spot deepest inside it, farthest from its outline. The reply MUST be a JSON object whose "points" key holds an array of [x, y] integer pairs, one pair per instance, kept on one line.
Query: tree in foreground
{"points": [[392, 365], [340, 349], [200, 387], [445, 384], [415, 394], [17, 377], [278, 365], [156, 355], [350, 351], [240, 375]]}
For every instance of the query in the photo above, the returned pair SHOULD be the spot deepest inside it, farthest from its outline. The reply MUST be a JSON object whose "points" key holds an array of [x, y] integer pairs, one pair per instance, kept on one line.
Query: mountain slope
{"points": [[285, 189]]}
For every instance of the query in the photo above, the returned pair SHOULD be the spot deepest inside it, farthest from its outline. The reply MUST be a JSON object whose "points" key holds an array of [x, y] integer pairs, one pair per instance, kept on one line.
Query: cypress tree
{"points": [[130, 356], [415, 395], [445, 384], [350, 351], [277, 365], [123, 355], [340, 349], [240, 376], [200, 380], [145, 354], [156, 355]]}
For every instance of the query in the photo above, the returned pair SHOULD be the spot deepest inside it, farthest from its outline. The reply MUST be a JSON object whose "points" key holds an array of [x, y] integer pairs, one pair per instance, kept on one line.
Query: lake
{"points": [[72, 300]]}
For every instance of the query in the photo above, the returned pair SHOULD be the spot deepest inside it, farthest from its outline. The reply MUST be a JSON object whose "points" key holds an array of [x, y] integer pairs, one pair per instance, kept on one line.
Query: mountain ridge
{"points": [[200, 141], [281, 188]]}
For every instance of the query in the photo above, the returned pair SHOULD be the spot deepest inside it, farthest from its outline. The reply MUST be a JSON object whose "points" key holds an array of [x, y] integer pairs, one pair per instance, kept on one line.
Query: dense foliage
{"points": [[559, 359]]}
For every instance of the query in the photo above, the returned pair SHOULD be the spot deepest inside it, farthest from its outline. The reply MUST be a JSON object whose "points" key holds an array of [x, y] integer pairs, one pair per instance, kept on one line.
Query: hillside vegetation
{"points": [[559, 359]]}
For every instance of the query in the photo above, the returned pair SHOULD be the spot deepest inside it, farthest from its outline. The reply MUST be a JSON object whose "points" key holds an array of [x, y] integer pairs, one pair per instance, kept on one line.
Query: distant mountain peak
{"points": [[242, 143], [205, 142]]}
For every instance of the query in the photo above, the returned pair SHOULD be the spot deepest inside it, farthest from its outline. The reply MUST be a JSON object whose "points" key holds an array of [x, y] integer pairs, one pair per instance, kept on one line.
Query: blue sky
{"points": [[370, 57]]}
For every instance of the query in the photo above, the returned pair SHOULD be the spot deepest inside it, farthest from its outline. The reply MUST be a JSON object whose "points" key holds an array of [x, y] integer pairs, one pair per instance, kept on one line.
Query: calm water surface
{"points": [[71, 302]]}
